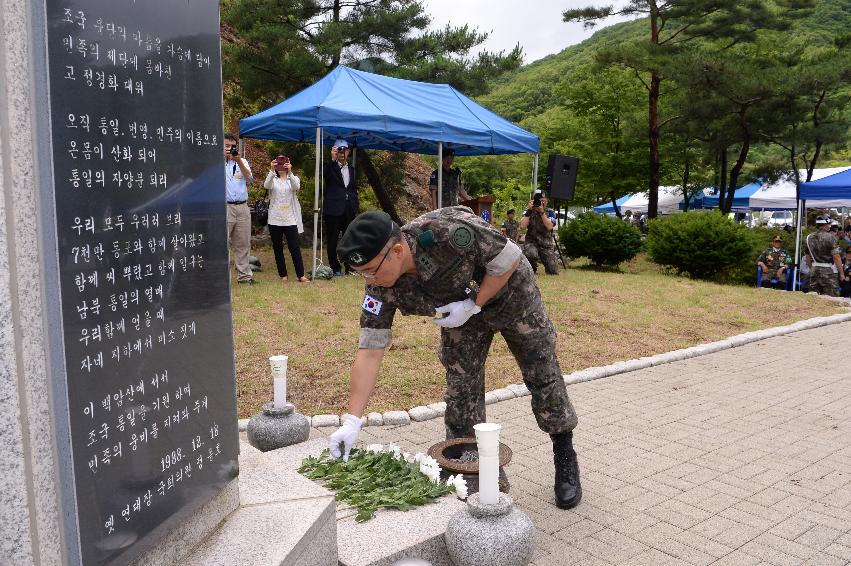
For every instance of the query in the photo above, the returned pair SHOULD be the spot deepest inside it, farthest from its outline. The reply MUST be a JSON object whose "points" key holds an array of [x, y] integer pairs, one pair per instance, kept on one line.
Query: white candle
{"points": [[279, 373], [487, 440]]}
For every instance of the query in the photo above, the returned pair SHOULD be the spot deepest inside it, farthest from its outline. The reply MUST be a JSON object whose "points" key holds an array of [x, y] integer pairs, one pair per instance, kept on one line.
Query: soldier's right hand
{"points": [[348, 435]]}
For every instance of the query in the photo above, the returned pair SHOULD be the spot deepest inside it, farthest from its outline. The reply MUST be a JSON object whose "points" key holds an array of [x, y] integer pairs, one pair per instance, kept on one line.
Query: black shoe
{"points": [[246, 282], [568, 490]]}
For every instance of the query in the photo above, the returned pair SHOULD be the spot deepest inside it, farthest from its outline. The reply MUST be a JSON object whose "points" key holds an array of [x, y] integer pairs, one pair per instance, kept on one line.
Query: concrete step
{"points": [[284, 519], [391, 535]]}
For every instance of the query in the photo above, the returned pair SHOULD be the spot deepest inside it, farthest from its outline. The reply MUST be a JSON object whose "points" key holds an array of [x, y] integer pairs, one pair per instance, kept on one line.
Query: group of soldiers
{"points": [[825, 265]]}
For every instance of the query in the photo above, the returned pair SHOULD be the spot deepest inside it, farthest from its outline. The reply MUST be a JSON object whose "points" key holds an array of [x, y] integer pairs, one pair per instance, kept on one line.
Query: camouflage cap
{"points": [[365, 237]]}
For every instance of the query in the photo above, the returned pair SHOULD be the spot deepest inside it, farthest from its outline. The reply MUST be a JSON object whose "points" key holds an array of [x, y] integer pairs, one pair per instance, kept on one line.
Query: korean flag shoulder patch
{"points": [[372, 305]]}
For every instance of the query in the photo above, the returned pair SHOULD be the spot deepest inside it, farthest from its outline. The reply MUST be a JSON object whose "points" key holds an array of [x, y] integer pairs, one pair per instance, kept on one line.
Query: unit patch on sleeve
{"points": [[461, 237], [372, 305]]}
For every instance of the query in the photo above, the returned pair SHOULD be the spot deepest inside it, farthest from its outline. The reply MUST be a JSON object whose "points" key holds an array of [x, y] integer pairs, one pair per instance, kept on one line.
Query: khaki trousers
{"points": [[239, 238]]}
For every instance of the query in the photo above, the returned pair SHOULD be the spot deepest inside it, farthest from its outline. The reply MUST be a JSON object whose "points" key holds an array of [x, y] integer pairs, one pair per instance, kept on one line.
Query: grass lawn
{"points": [[601, 317]]}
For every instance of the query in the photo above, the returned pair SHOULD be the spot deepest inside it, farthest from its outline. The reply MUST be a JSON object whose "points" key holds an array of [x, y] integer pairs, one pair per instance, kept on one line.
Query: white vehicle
{"points": [[780, 219]]}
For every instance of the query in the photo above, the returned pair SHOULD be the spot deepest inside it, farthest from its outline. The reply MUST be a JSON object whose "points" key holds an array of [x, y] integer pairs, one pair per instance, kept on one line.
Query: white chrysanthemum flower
{"points": [[450, 481], [419, 457], [460, 486], [408, 457], [431, 473], [393, 449], [427, 460], [375, 448]]}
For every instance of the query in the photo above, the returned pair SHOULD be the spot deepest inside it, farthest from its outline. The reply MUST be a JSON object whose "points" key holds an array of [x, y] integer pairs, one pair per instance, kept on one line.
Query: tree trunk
{"points": [[380, 192], [722, 185], [686, 195], [338, 53], [615, 206], [740, 161], [653, 128]]}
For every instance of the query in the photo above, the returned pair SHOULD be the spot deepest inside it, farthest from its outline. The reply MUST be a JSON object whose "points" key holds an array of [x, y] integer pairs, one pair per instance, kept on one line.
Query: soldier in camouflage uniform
{"points": [[451, 262], [774, 262], [510, 227], [539, 223], [826, 263], [453, 190]]}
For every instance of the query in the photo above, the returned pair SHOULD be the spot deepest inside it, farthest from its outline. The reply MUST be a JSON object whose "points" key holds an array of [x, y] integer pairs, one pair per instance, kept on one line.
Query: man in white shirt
{"points": [[237, 178]]}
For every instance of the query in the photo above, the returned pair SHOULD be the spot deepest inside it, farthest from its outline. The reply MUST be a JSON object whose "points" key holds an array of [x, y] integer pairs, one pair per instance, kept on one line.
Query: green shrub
{"points": [[706, 245], [604, 240]]}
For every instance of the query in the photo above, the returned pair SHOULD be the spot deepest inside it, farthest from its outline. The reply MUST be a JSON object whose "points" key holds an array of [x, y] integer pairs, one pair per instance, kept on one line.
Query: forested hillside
{"points": [[532, 89]]}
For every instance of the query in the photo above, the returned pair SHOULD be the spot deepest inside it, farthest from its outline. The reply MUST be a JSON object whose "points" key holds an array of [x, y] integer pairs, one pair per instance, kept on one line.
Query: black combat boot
{"points": [[568, 490]]}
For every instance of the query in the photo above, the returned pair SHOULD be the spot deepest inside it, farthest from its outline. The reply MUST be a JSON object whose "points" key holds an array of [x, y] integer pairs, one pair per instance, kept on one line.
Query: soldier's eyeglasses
{"points": [[373, 272]]}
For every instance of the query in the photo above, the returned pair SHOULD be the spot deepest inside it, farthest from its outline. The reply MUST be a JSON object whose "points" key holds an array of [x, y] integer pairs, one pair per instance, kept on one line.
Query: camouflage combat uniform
{"points": [[774, 259], [451, 183], [823, 277], [453, 250], [511, 228], [539, 244]]}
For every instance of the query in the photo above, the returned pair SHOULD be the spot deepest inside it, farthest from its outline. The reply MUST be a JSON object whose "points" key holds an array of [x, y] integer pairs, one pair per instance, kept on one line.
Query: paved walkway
{"points": [[740, 457]]}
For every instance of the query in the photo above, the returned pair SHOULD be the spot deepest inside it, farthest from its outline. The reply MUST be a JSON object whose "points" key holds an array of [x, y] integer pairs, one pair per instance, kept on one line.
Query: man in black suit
{"points": [[341, 199]]}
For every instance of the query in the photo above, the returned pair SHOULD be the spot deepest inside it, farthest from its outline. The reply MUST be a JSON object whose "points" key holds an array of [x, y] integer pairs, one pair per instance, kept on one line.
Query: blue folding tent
{"points": [[741, 197], [377, 112], [831, 191]]}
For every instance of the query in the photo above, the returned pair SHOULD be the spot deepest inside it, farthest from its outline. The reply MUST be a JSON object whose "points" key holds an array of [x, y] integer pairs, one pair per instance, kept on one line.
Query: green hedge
{"points": [[705, 245], [604, 240]]}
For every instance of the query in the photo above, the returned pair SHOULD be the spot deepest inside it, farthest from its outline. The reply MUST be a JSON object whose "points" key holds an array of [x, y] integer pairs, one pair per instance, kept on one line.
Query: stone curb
{"points": [[418, 414]]}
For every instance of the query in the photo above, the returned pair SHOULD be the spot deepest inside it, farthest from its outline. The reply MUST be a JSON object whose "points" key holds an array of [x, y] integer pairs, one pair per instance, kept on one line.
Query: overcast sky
{"points": [[535, 24]]}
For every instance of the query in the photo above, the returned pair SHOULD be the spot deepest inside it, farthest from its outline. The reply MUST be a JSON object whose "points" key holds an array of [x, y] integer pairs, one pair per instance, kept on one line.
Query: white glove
{"points": [[459, 312], [347, 434]]}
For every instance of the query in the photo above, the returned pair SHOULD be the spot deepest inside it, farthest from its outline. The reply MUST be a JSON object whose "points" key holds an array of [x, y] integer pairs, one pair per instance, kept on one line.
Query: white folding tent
{"points": [[782, 194]]}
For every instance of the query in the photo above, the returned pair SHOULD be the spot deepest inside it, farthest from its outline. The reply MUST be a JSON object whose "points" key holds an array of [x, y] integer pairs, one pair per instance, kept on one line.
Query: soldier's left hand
{"points": [[457, 313]]}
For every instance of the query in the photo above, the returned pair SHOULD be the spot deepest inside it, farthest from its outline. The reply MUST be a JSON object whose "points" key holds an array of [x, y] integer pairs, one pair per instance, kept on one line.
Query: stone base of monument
{"points": [[275, 428], [490, 535], [391, 535], [283, 518]]}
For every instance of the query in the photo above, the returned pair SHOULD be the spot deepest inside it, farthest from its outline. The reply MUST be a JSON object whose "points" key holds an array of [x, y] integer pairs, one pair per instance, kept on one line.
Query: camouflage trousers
{"points": [[824, 281], [531, 338], [547, 255]]}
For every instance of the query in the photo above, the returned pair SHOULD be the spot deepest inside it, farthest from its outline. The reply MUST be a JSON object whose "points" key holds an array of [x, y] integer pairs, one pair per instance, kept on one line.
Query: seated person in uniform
{"points": [[774, 262]]}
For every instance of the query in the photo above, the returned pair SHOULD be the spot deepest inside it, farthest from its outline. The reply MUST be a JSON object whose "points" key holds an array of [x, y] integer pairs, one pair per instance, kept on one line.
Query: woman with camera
{"points": [[285, 215]]}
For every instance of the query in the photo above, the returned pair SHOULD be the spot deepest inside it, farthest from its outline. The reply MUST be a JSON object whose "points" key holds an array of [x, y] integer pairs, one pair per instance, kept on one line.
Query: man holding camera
{"points": [[539, 222], [237, 178], [340, 203], [451, 262]]}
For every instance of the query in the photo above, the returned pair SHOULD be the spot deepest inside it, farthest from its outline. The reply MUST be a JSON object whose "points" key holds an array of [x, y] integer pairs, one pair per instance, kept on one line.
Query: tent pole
{"points": [[316, 198], [534, 175], [439, 174], [797, 246]]}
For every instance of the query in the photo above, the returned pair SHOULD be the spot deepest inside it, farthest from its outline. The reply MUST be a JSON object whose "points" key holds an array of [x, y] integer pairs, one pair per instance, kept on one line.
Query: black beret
{"points": [[365, 237]]}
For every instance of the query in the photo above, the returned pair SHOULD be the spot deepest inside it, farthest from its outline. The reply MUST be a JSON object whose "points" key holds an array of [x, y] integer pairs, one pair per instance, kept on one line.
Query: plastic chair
{"points": [[773, 281]]}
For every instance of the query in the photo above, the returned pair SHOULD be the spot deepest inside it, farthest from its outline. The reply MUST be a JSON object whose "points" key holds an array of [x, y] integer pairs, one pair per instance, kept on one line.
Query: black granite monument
{"points": [[149, 432]]}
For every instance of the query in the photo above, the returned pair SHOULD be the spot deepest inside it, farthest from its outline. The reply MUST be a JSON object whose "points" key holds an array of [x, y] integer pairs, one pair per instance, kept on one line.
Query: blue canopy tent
{"points": [[831, 191], [741, 197], [608, 208], [377, 112]]}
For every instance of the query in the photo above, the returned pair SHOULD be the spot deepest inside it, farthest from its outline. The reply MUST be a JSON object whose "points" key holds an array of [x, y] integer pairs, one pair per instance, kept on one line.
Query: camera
{"points": [[280, 162], [536, 201], [234, 150]]}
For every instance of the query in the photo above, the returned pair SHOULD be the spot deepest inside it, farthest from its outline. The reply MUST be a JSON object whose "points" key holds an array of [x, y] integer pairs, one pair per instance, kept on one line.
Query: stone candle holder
{"points": [[490, 535], [275, 428]]}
